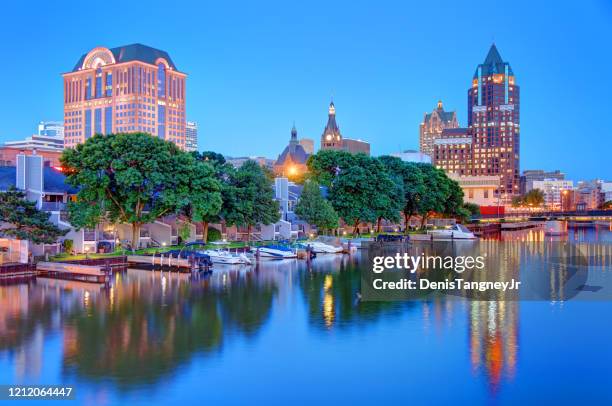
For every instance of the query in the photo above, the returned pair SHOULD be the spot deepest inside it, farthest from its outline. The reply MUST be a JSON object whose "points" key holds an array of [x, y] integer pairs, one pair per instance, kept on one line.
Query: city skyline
{"points": [[382, 78]]}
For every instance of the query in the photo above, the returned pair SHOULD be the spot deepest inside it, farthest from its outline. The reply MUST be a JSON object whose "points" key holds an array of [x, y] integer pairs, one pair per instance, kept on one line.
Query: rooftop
{"points": [[133, 52]]}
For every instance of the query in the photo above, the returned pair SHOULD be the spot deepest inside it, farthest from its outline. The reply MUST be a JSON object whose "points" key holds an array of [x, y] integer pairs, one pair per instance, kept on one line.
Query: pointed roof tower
{"points": [[493, 64]]}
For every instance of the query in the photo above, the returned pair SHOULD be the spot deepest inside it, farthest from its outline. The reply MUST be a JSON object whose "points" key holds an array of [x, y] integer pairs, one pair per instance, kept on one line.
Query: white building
{"points": [[51, 129], [40, 142], [191, 136], [553, 189], [606, 190], [479, 190], [413, 156]]}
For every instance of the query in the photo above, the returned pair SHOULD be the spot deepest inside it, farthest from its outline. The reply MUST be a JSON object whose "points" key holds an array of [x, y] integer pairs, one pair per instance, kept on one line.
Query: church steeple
{"points": [[293, 139]]}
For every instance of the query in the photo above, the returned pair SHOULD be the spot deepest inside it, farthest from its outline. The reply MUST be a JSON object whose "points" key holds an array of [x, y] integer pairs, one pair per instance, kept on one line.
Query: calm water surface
{"points": [[283, 333]]}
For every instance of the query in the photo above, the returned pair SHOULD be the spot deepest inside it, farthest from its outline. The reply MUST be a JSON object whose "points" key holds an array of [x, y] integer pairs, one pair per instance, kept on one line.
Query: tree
{"points": [[249, 198], [126, 178], [472, 208], [22, 220], [324, 166], [203, 202], [315, 209], [413, 185], [390, 201], [436, 191], [535, 197]]}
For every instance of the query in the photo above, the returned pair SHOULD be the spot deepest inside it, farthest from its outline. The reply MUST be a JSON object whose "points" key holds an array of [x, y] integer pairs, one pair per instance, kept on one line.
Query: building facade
{"points": [[432, 126], [132, 88], [51, 129], [356, 146], [479, 190], [553, 190], [413, 156], [453, 152], [191, 136], [494, 123], [308, 145], [531, 175]]}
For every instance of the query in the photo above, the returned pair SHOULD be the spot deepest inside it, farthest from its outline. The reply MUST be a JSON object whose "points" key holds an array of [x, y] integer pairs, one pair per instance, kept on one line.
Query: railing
{"points": [[53, 206]]}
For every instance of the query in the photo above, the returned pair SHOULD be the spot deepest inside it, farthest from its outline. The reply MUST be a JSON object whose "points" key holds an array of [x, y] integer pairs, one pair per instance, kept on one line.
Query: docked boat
{"points": [[275, 252], [455, 232], [322, 248], [226, 257]]}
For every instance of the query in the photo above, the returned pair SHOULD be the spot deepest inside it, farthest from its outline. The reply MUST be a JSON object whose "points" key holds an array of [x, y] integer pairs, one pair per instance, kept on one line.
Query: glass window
{"points": [[108, 120], [161, 121], [87, 124], [98, 121], [161, 80], [88, 88]]}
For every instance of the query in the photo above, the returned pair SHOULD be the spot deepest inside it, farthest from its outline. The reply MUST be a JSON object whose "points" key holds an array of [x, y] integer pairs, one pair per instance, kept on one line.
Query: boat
{"points": [[322, 248], [275, 252], [455, 232], [225, 257]]}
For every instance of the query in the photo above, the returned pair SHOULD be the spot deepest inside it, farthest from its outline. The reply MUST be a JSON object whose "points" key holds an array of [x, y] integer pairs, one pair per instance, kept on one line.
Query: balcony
{"points": [[53, 206]]}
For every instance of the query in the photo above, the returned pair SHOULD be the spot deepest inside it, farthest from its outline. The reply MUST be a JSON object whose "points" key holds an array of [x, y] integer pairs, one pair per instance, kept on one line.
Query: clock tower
{"points": [[331, 137]]}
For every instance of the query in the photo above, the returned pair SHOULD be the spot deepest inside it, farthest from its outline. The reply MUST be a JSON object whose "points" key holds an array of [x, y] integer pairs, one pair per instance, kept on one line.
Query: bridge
{"points": [[577, 216]]}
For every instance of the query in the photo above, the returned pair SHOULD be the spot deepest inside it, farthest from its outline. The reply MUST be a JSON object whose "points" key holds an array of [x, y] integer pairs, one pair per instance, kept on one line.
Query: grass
{"points": [[147, 251]]}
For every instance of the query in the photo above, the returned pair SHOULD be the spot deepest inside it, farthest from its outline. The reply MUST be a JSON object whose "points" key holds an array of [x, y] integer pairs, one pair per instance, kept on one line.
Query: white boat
{"points": [[455, 232], [322, 248], [275, 252], [225, 257]]}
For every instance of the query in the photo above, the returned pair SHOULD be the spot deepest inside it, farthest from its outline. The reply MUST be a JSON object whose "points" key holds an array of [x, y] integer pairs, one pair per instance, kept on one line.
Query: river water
{"points": [[283, 333]]}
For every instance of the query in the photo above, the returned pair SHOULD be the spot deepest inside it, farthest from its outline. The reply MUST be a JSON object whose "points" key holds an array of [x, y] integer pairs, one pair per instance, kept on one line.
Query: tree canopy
{"points": [[249, 198], [22, 220], [126, 178], [315, 209]]}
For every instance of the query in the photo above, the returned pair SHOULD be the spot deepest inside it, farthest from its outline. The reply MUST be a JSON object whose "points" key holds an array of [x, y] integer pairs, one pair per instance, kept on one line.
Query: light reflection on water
{"points": [[288, 333]]}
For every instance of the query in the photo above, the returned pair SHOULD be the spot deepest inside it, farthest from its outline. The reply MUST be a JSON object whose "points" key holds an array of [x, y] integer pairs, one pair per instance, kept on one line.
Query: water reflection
{"points": [[147, 327]]}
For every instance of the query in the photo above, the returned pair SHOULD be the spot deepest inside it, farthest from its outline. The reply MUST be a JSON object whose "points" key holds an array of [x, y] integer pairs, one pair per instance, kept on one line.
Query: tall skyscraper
{"points": [[493, 121], [191, 136], [51, 129], [331, 137], [132, 88], [432, 126]]}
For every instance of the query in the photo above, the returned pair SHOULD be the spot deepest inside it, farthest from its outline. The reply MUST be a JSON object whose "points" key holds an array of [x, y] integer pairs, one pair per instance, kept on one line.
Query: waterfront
{"points": [[283, 333]]}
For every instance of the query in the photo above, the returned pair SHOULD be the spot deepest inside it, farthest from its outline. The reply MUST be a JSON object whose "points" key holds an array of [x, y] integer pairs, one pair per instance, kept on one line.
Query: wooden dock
{"points": [[86, 273], [184, 265]]}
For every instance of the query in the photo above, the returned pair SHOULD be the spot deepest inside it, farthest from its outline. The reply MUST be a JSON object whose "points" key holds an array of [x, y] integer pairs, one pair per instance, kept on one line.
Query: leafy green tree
{"points": [[535, 197], [324, 166], [436, 191], [472, 208], [390, 200], [22, 220], [413, 184], [315, 209], [249, 198], [202, 203], [126, 178], [517, 201]]}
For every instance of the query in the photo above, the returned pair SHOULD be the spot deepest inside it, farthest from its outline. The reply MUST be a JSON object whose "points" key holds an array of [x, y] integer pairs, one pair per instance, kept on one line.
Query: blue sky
{"points": [[255, 67]]}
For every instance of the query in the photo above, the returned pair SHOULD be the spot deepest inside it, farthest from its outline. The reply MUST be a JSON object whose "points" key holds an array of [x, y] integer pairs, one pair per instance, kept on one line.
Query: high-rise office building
{"points": [[494, 123], [132, 88], [51, 129], [432, 126], [191, 136]]}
